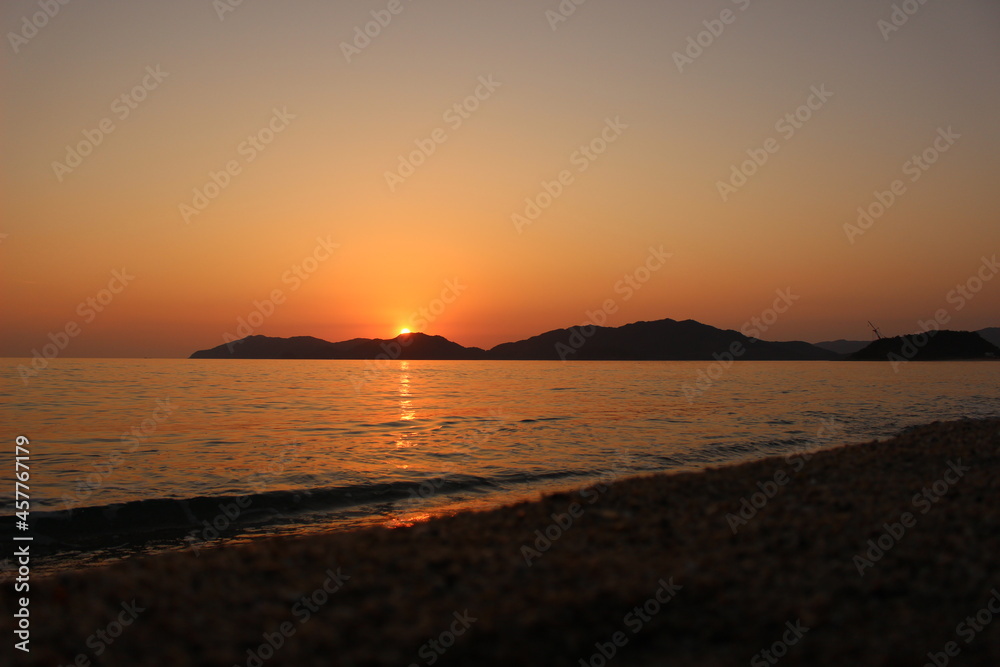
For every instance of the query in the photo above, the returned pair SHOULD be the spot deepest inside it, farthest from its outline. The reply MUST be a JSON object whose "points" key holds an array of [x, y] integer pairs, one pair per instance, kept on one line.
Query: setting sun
{"points": [[404, 330]]}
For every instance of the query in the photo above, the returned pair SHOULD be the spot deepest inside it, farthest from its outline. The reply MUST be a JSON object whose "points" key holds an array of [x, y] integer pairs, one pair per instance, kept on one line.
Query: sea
{"points": [[127, 457]]}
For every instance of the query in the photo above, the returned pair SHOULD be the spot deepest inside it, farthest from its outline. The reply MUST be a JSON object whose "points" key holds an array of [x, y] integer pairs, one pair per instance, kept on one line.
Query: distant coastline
{"points": [[661, 340]]}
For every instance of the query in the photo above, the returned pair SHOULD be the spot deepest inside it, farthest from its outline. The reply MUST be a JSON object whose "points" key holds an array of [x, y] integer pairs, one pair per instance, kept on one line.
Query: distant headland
{"points": [[661, 340]]}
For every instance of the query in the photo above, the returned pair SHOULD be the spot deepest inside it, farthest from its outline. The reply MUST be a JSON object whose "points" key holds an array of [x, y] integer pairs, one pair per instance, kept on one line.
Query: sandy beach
{"points": [[868, 554]]}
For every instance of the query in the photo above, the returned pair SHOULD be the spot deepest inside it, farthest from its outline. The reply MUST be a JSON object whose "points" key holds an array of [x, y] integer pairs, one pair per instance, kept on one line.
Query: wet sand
{"points": [[657, 570]]}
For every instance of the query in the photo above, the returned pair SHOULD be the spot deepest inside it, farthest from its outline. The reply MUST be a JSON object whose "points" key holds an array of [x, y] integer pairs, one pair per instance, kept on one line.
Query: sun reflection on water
{"points": [[407, 412]]}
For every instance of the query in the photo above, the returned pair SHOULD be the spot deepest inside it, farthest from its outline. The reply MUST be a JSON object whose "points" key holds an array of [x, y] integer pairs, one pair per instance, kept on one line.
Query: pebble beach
{"points": [[877, 553]]}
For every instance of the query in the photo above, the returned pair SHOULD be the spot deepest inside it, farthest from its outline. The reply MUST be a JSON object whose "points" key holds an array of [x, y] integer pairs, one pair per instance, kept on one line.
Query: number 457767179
{"points": [[22, 474]]}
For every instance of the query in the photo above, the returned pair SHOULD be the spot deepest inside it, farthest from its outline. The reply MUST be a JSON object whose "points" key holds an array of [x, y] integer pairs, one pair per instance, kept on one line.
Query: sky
{"points": [[176, 173]]}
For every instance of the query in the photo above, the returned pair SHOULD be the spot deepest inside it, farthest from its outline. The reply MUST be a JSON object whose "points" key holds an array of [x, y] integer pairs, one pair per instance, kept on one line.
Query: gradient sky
{"points": [[323, 175]]}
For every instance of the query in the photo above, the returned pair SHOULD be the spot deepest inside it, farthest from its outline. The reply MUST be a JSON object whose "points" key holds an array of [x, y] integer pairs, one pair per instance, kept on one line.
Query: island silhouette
{"points": [[929, 346], [660, 340]]}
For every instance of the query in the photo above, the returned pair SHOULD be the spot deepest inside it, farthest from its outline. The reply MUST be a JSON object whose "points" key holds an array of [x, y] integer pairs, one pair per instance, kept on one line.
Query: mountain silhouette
{"points": [[404, 346], [665, 340], [660, 340]]}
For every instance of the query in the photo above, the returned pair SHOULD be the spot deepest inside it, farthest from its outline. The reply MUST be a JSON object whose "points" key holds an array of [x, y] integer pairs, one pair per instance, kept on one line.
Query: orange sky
{"points": [[267, 93]]}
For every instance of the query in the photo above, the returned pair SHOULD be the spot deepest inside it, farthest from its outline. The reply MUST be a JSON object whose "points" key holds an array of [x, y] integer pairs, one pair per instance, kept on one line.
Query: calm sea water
{"points": [[143, 455]]}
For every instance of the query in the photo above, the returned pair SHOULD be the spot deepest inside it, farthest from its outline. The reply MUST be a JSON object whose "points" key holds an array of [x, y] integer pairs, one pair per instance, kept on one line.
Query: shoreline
{"points": [[685, 568]]}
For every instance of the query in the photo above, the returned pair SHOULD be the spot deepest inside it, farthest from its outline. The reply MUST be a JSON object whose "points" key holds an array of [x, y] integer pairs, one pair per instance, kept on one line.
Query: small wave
{"points": [[159, 518]]}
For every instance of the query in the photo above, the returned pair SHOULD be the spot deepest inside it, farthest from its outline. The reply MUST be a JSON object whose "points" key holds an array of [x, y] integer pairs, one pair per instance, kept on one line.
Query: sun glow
{"points": [[404, 330]]}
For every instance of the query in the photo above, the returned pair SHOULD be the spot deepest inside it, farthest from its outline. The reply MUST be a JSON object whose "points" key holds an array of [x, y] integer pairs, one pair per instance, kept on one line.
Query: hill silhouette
{"points": [[666, 340], [992, 335], [660, 340], [930, 346], [405, 346], [843, 346]]}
